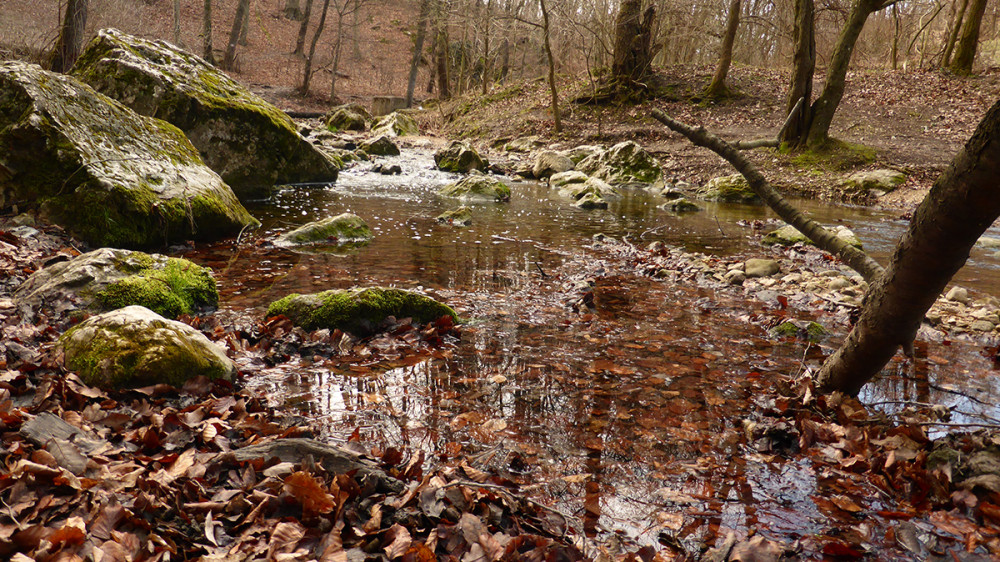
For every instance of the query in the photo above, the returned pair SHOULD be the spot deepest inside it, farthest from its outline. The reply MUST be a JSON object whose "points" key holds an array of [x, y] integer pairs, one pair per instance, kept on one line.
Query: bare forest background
{"points": [[489, 42]]}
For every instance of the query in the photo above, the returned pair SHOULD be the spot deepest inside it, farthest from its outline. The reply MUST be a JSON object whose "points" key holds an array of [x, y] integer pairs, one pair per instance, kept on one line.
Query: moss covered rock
{"points": [[808, 331], [873, 182], [133, 347], [345, 228], [549, 162], [380, 146], [249, 142], [349, 117], [477, 187], [591, 186], [623, 163], [396, 124], [108, 175], [461, 216], [680, 206], [729, 189], [109, 278], [360, 311], [459, 157], [565, 178], [788, 235], [591, 201]]}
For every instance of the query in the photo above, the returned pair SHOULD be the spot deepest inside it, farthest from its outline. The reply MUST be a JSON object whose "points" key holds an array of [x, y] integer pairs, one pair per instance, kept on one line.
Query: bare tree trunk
{"points": [[206, 33], [504, 59], [552, 68], [234, 35], [965, 53], [71, 35], [293, 10], [717, 88], [444, 91], [177, 23], [300, 43], [418, 49], [826, 104], [307, 72], [803, 66], [957, 211], [895, 37], [336, 53], [634, 48], [245, 27], [486, 47], [956, 25]]}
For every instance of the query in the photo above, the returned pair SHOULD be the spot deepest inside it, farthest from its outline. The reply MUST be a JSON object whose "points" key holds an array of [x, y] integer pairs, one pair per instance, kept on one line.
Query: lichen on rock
{"points": [[623, 163], [345, 228], [108, 278], [360, 311], [729, 189], [133, 347], [459, 157], [396, 124], [249, 142], [477, 187], [108, 175]]}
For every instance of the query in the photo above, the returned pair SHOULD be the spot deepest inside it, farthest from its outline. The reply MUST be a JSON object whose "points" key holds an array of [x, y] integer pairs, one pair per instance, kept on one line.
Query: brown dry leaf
{"points": [[184, 462], [285, 537], [309, 492], [375, 522], [399, 541], [847, 504]]}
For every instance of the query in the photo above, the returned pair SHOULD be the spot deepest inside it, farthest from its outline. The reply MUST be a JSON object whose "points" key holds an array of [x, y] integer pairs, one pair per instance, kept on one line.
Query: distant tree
{"points": [[717, 87], [634, 48], [300, 42], [342, 8], [242, 9], [245, 27], [441, 60], [557, 126], [71, 34], [418, 49], [177, 22], [293, 10], [307, 72], [206, 33], [965, 53], [956, 25]]}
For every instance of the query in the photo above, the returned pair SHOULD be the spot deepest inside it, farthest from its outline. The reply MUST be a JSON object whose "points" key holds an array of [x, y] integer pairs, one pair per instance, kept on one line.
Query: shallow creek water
{"points": [[637, 407]]}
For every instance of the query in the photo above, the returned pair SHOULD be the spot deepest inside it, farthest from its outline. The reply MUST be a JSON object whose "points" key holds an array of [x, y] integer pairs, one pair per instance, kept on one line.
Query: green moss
{"points": [[358, 311], [812, 332], [835, 155], [477, 186], [343, 228], [179, 287]]}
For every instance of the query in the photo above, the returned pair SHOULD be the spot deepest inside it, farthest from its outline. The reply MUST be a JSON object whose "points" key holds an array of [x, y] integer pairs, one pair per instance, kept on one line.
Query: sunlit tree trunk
{"points": [[300, 42], [245, 27], [71, 34], [307, 71], [177, 22], [965, 53], [956, 25], [552, 68], [803, 66], [486, 47], [633, 48], [717, 88], [234, 35], [418, 49], [206, 33], [961, 205]]}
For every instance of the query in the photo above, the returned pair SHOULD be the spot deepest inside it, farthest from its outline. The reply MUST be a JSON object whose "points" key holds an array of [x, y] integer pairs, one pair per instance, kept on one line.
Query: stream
{"points": [[631, 416]]}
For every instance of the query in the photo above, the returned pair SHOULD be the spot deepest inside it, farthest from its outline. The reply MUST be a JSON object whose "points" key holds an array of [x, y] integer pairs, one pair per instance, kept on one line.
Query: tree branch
{"points": [[823, 238]]}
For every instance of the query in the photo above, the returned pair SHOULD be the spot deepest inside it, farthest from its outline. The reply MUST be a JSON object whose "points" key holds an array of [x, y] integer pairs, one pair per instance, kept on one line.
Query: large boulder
{"points": [[345, 228], [477, 187], [459, 157], [396, 124], [381, 145], [565, 178], [106, 174], [348, 117], [360, 311], [549, 163], [729, 189], [623, 163], [788, 235], [249, 142], [108, 278], [873, 182], [133, 347], [591, 186]]}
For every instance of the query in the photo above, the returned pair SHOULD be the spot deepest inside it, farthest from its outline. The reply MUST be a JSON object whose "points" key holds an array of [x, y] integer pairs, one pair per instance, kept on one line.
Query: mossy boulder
{"points": [[549, 162], [133, 347], [459, 157], [360, 311], [873, 182], [380, 146], [477, 187], [523, 144], [348, 117], [108, 175], [808, 331], [396, 124], [591, 201], [565, 178], [680, 206], [107, 279], [729, 189], [249, 142], [461, 216], [788, 235], [345, 228], [591, 186], [580, 153], [623, 163]]}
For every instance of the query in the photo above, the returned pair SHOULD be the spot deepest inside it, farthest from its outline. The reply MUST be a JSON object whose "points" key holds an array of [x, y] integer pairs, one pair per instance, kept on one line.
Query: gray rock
{"points": [[958, 294], [788, 235], [396, 124], [548, 163], [134, 347], [566, 178], [582, 152], [461, 216], [982, 326], [107, 279], [681, 205], [838, 283], [593, 186], [877, 181], [729, 189], [735, 277], [523, 144], [758, 267], [591, 200], [108, 175], [477, 187], [623, 163], [459, 157], [348, 117], [380, 146], [249, 142], [345, 228]]}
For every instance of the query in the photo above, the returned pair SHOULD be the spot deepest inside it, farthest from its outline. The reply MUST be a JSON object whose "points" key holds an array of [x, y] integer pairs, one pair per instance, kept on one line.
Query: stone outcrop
{"points": [[548, 163], [107, 279], [459, 157], [249, 142], [360, 311], [623, 163], [381, 145], [108, 175], [347, 117], [133, 347], [396, 124], [873, 182]]}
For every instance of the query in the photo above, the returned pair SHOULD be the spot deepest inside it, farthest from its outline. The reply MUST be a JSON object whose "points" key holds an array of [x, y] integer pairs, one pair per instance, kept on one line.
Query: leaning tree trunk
{"points": [[836, 75], [552, 68], [206, 33], [633, 48], [717, 87], [71, 34], [300, 42], [418, 49], [961, 205], [965, 54], [234, 36], [953, 34], [803, 66]]}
